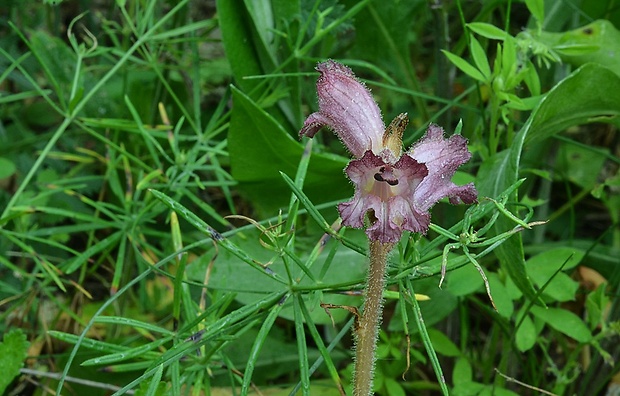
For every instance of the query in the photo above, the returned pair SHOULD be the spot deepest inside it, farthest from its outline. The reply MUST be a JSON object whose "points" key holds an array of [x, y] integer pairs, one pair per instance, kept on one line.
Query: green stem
{"points": [[368, 326]]}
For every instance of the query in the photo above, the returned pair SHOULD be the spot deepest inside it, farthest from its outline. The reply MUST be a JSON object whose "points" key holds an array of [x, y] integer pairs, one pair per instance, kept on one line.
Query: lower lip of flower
{"points": [[382, 187]]}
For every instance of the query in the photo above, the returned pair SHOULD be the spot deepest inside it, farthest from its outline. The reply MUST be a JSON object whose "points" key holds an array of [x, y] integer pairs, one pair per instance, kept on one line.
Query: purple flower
{"points": [[395, 189]]}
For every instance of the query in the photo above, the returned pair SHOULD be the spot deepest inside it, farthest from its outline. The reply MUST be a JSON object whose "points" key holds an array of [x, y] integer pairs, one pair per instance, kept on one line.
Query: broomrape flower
{"points": [[395, 189]]}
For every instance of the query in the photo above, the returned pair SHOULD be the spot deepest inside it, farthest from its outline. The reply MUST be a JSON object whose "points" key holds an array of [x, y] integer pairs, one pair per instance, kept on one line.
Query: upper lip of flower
{"points": [[347, 107]]}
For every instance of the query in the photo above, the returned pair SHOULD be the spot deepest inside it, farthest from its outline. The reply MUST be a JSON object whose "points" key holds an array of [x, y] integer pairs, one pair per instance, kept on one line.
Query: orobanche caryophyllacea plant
{"points": [[394, 190]]}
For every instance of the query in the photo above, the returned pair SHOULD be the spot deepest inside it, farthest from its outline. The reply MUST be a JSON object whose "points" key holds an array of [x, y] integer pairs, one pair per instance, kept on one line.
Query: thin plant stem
{"points": [[368, 326]]}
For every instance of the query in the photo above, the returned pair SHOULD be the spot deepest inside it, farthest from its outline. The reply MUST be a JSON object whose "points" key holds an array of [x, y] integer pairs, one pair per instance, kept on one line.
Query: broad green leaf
{"points": [[286, 10], [575, 100], [492, 390], [526, 335], [440, 304], [379, 38], [442, 344], [13, 352], [464, 66], [596, 304], [393, 387], [7, 169], [565, 322], [561, 288], [240, 42], [261, 13], [463, 281], [488, 30], [583, 97], [495, 175], [468, 388], [543, 266], [537, 9], [551, 260], [581, 165], [501, 296], [463, 372], [260, 149], [229, 273]]}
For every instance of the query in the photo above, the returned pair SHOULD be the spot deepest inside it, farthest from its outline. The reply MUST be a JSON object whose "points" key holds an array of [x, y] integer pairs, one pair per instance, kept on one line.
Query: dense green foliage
{"points": [[164, 230]]}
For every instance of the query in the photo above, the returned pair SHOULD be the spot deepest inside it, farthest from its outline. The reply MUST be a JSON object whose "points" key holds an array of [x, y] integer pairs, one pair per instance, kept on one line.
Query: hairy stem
{"points": [[368, 329]]}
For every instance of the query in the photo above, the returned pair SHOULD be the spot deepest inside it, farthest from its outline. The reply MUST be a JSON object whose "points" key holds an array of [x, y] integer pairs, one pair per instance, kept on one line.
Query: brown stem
{"points": [[368, 326]]}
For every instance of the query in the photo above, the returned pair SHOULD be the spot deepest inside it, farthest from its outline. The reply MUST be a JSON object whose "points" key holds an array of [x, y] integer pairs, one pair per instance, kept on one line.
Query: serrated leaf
{"points": [[13, 352]]}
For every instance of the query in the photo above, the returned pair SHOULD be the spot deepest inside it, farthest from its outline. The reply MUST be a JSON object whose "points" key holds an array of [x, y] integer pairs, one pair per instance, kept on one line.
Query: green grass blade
{"points": [[428, 345], [258, 344], [302, 348]]}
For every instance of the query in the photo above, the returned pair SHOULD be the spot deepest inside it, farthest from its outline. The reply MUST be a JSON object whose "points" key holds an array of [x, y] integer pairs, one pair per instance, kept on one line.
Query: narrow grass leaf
{"points": [[136, 324], [312, 210], [318, 340], [302, 348], [426, 340], [216, 236], [210, 23], [258, 344], [157, 388], [464, 66], [480, 58], [187, 215], [95, 345], [119, 265], [97, 248], [487, 30], [137, 352]]}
